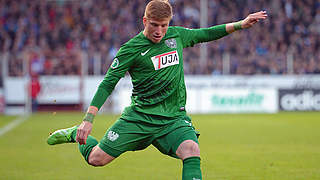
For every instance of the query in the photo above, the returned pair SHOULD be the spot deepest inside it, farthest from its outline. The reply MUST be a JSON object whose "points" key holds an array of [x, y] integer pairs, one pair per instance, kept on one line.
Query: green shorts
{"points": [[135, 131]]}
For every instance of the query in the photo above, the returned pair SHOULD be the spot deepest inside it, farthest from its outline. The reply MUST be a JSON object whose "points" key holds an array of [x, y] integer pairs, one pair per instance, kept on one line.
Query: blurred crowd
{"points": [[58, 37], [1, 80]]}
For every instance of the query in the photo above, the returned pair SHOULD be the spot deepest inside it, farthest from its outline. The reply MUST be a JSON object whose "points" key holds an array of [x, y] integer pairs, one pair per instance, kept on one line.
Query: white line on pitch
{"points": [[13, 124]]}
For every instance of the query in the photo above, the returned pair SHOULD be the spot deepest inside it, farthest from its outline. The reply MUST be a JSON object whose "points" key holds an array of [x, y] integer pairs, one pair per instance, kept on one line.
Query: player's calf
{"points": [[189, 152]]}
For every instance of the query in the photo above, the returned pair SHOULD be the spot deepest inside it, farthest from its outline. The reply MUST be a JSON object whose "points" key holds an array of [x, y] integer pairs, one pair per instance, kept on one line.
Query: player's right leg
{"points": [[124, 135], [62, 136], [98, 157], [90, 151]]}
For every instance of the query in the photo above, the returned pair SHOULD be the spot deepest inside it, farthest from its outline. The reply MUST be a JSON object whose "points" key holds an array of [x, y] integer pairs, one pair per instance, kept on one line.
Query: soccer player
{"points": [[157, 114]]}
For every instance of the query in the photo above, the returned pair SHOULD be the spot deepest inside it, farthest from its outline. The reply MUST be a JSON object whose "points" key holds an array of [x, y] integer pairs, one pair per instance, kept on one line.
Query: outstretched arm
{"points": [[248, 22], [194, 36]]}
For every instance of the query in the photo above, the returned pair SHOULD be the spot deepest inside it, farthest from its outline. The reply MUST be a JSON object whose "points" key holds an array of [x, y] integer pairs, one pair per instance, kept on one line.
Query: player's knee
{"points": [[93, 161], [193, 149], [98, 157], [187, 149]]}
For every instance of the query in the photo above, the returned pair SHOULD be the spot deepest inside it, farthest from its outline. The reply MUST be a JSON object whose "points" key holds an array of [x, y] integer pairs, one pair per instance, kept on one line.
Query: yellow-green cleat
{"points": [[62, 136]]}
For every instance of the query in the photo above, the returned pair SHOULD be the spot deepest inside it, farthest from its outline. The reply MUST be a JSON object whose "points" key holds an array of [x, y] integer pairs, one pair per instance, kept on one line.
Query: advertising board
{"points": [[299, 99]]}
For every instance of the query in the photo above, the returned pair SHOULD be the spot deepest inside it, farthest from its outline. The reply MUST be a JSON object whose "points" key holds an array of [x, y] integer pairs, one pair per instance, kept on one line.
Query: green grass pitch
{"points": [[284, 146]]}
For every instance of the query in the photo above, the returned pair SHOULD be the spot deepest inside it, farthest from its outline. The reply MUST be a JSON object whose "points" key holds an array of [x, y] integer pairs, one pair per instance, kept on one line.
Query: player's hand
{"points": [[251, 19], [83, 132]]}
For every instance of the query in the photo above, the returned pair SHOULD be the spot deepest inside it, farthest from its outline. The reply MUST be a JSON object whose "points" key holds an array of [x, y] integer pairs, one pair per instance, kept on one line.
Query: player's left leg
{"points": [[189, 152], [181, 142]]}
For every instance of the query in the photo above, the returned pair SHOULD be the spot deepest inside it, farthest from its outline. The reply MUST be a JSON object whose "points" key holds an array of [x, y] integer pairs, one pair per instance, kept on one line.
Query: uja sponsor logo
{"points": [[165, 60]]}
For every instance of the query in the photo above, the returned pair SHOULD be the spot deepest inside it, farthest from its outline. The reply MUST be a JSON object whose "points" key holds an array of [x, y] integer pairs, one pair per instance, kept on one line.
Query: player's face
{"points": [[155, 29]]}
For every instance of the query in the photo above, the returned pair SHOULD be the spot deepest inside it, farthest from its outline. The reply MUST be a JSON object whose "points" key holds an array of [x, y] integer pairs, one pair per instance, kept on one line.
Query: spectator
{"points": [[34, 89]]}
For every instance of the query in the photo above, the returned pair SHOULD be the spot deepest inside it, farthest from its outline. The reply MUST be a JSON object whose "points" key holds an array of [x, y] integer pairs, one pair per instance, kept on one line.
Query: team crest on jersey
{"points": [[171, 43], [112, 136], [165, 60], [115, 63]]}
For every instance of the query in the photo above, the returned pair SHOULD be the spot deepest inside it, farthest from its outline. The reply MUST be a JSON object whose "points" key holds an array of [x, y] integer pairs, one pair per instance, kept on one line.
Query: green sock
{"points": [[85, 149], [191, 169]]}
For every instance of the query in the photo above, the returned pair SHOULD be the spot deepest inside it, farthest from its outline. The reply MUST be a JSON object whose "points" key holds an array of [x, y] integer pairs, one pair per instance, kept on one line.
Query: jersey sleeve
{"points": [[190, 37], [120, 65]]}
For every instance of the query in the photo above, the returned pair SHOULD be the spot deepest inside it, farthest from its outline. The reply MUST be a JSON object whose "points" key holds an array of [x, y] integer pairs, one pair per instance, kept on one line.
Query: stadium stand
{"points": [[54, 35], [1, 80]]}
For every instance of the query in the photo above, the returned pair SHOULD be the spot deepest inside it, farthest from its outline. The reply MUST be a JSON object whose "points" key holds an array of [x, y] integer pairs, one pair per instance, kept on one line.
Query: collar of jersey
{"points": [[170, 34]]}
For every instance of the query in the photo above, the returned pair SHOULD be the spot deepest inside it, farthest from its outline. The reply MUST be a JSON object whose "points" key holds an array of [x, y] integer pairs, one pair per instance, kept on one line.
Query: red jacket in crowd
{"points": [[35, 88]]}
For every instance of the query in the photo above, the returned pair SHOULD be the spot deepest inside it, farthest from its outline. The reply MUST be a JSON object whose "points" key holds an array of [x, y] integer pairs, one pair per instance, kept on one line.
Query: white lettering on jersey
{"points": [[165, 60]]}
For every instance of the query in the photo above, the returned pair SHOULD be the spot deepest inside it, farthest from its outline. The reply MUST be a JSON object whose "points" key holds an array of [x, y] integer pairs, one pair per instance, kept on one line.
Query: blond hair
{"points": [[158, 9]]}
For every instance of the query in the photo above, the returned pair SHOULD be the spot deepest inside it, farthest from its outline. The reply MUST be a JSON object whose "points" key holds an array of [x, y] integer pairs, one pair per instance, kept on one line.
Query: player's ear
{"points": [[144, 20]]}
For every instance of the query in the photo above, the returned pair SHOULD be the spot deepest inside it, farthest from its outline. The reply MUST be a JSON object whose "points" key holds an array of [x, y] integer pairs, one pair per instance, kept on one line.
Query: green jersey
{"points": [[156, 70]]}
